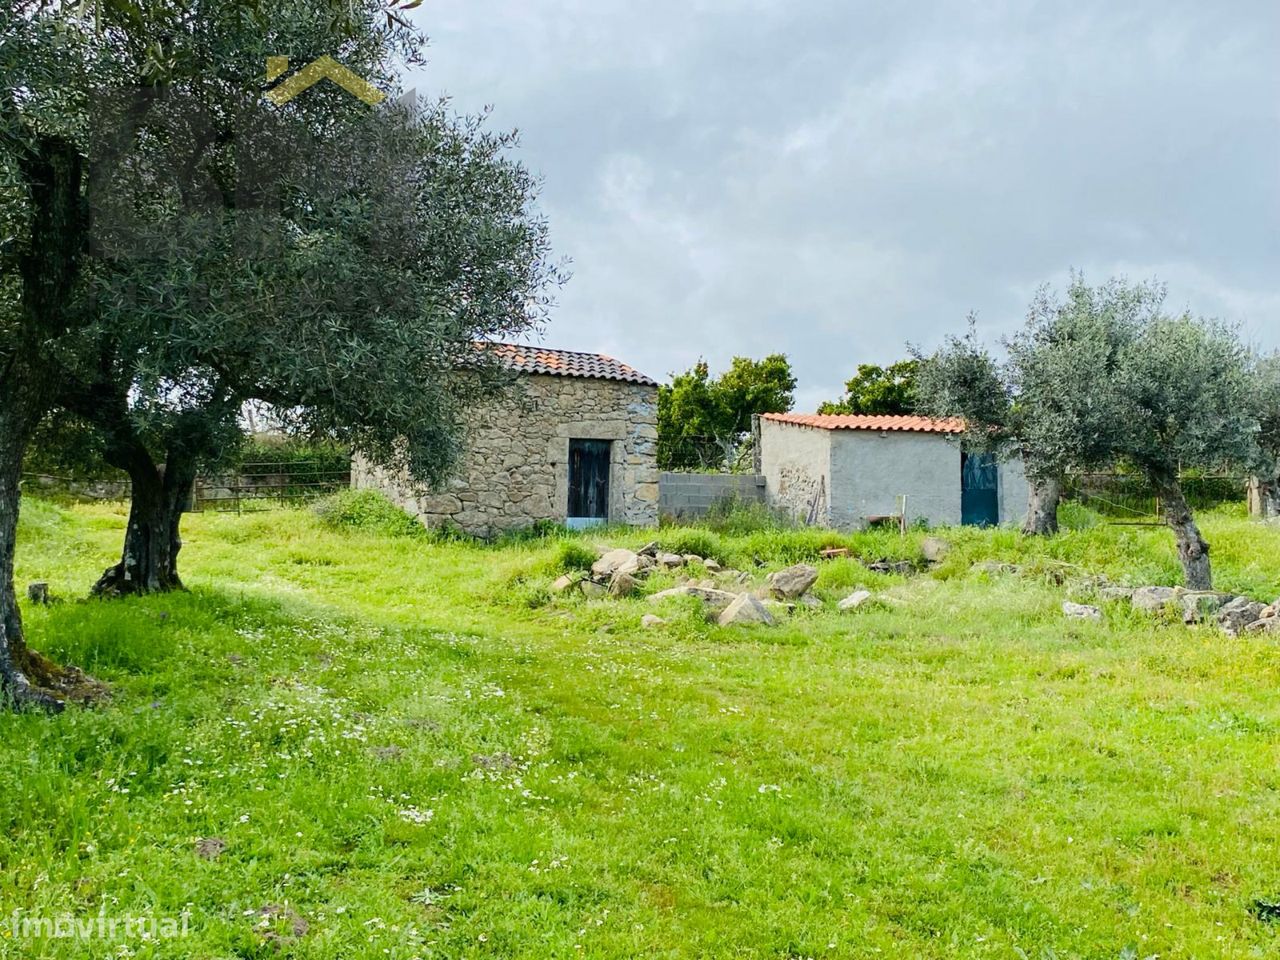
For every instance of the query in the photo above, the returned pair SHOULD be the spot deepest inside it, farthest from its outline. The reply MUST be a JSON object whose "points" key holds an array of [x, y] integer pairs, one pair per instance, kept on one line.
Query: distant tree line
{"points": [[704, 422]]}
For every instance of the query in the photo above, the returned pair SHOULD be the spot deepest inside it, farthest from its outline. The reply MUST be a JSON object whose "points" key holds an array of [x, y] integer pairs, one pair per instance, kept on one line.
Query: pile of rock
{"points": [[619, 572], [1235, 614], [782, 590], [722, 593]]}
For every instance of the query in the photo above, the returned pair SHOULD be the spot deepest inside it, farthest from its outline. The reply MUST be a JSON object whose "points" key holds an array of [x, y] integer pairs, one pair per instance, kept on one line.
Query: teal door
{"points": [[979, 490]]}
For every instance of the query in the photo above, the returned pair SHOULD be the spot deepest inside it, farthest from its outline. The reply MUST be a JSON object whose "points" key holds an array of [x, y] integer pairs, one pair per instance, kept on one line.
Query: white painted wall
{"points": [[1014, 492], [865, 472], [870, 470], [796, 463]]}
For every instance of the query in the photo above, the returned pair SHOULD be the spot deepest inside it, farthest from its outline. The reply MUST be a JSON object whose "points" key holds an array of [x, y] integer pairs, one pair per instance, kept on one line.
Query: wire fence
{"points": [[253, 486], [256, 486], [695, 454], [1125, 497]]}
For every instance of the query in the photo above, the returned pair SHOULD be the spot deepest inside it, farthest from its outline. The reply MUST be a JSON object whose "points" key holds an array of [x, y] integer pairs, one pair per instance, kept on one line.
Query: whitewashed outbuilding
{"points": [[848, 471]]}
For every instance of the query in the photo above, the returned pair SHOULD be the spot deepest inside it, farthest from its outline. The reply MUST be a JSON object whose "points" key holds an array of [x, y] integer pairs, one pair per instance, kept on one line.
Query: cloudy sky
{"points": [[834, 178]]}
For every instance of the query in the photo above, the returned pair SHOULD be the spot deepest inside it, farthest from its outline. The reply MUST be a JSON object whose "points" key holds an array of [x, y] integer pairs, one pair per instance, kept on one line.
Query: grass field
{"points": [[409, 749]]}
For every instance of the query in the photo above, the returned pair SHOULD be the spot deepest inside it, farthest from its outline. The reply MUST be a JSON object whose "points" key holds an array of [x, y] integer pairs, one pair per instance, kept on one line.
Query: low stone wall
{"points": [[691, 495]]}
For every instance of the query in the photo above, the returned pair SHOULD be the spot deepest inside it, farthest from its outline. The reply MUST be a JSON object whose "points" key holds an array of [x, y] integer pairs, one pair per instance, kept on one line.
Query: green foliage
{"points": [[1184, 385], [295, 454], [539, 531], [573, 555], [368, 512], [702, 420], [64, 446], [1102, 377], [345, 269], [963, 379], [879, 390], [1265, 401]]}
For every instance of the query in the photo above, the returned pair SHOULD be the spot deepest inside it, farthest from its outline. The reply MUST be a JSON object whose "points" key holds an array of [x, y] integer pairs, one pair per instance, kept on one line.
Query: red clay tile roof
{"points": [[566, 363], [844, 421]]}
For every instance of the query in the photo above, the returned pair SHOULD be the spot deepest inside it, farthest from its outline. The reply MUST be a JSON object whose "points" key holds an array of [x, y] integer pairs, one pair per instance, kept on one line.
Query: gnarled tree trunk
{"points": [[27, 679], [1264, 497], [51, 170], [16, 684], [1042, 507], [1193, 551], [160, 495]]}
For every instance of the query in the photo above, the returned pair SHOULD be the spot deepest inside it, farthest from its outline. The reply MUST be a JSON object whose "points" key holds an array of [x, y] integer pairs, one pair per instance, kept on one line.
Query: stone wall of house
{"points": [[515, 471]]}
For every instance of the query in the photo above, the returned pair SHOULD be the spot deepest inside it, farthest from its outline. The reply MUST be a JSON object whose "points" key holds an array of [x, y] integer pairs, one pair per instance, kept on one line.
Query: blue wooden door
{"points": [[979, 490]]}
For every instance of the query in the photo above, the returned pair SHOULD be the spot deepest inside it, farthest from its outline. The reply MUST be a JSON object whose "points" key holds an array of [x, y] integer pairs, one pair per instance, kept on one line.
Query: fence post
{"points": [[757, 459]]}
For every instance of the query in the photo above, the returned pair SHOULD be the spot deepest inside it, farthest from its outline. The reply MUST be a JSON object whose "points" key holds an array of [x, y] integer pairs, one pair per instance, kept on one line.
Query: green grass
{"points": [[416, 748]]}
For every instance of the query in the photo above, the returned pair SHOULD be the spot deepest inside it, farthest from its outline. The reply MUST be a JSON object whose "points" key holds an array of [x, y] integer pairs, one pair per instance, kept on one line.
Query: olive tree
{"points": [[1186, 401], [1104, 376], [356, 318], [333, 262], [964, 379]]}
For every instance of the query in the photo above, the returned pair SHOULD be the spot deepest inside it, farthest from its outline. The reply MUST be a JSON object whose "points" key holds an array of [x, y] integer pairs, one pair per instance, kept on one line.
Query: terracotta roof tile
{"points": [[566, 363], [843, 421]]}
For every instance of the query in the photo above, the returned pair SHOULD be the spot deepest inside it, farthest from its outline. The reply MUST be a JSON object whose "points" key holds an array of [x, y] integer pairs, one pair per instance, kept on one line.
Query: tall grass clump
{"points": [[573, 555], [366, 511], [736, 517]]}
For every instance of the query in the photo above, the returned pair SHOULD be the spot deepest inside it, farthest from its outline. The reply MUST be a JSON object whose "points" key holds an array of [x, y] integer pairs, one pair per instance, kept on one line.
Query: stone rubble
{"points": [[619, 572], [1080, 611], [745, 609], [854, 600], [792, 582], [934, 549]]}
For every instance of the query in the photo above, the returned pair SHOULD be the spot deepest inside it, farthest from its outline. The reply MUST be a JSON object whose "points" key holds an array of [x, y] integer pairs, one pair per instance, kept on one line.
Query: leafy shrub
{"points": [[368, 512], [1076, 516], [291, 455], [573, 555], [530, 595]]}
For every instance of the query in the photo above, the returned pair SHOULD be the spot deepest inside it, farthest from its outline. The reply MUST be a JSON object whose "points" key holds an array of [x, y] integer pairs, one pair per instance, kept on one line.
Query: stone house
{"points": [[846, 471], [574, 443]]}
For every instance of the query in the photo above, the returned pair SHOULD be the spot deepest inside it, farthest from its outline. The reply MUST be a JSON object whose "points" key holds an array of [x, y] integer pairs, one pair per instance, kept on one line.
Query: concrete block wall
{"points": [[692, 495]]}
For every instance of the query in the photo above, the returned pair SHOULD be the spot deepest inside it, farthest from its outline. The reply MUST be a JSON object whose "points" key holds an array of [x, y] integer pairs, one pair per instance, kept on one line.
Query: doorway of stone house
{"points": [[588, 483]]}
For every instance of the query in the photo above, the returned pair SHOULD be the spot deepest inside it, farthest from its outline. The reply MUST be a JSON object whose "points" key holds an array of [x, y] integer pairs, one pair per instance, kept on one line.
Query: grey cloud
{"points": [[833, 179]]}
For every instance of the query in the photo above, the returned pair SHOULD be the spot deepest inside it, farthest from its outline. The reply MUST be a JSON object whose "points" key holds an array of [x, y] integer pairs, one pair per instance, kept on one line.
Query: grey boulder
{"points": [[792, 582], [1235, 616], [854, 600], [1153, 599], [1080, 611], [745, 609]]}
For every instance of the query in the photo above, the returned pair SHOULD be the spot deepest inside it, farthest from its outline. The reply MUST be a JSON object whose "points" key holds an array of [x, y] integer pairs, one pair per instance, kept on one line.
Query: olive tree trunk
{"points": [[26, 678], [1042, 507], [1193, 551], [1264, 497], [159, 496]]}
